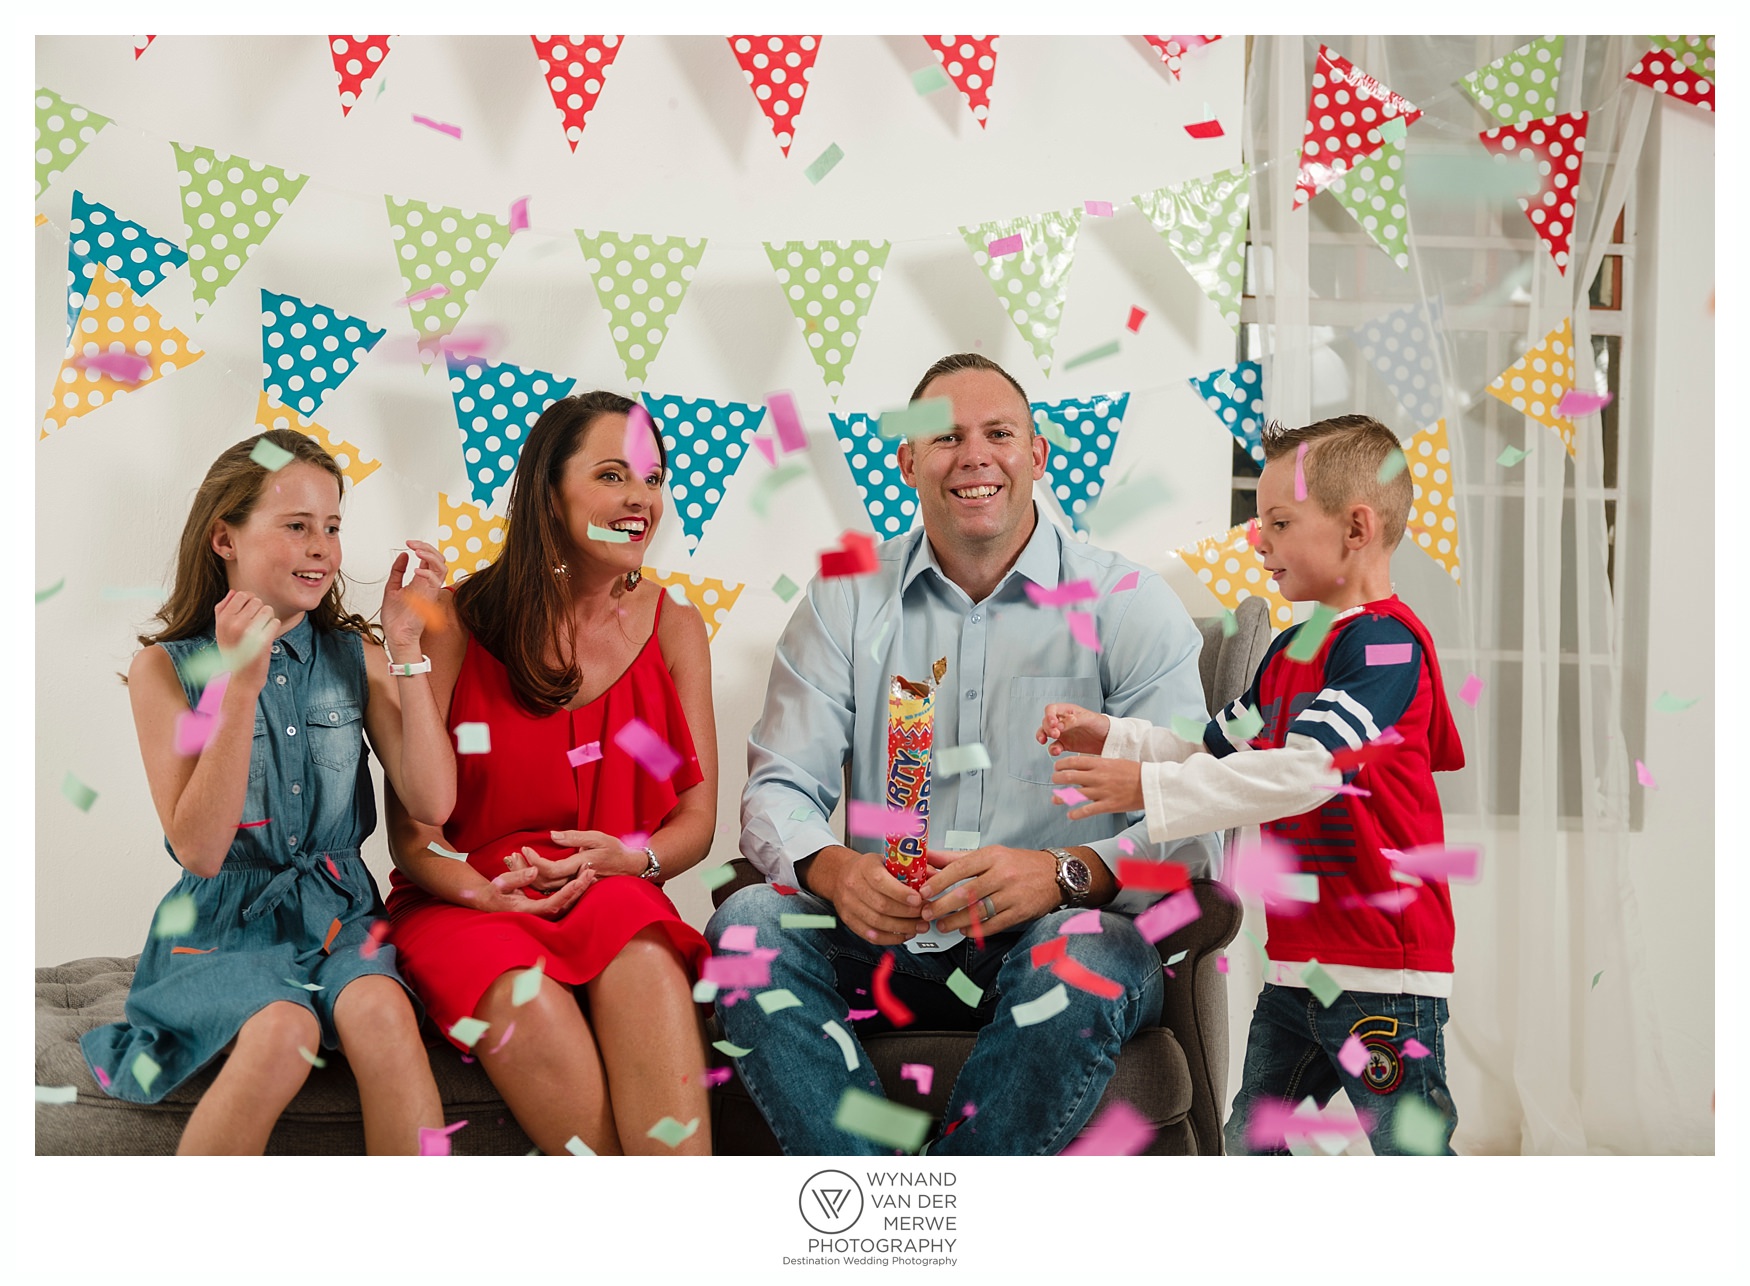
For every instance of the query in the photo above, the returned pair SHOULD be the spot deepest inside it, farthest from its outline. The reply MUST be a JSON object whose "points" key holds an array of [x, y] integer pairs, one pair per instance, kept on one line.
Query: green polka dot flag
{"points": [[1520, 85], [1696, 53], [63, 130], [1032, 281], [1204, 221], [439, 245], [829, 286], [229, 205], [641, 281], [1372, 191]]}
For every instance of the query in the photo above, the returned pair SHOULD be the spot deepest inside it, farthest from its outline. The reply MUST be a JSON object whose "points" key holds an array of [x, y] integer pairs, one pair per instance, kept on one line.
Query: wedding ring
{"points": [[986, 907]]}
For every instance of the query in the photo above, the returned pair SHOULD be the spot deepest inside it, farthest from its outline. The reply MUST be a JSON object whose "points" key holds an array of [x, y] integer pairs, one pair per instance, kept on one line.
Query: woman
{"points": [[568, 821]]}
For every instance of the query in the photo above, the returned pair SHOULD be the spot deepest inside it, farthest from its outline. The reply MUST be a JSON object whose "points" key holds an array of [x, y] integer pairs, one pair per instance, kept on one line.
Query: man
{"points": [[957, 589]]}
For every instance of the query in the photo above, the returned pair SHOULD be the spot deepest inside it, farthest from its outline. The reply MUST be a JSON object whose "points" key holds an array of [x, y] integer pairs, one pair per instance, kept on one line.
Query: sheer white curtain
{"points": [[1539, 1062]]}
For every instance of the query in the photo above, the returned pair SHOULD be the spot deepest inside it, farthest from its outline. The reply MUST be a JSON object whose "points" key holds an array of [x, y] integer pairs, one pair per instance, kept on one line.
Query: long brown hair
{"points": [[229, 493], [517, 608]]}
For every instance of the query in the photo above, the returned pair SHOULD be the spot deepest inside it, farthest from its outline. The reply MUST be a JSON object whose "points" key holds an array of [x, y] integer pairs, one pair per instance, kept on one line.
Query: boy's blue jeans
{"points": [[1292, 1048], [1031, 1088]]}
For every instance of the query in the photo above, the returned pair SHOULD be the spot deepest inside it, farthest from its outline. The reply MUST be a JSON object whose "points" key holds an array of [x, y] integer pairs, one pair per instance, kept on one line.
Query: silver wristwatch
{"points": [[654, 870], [1074, 879]]}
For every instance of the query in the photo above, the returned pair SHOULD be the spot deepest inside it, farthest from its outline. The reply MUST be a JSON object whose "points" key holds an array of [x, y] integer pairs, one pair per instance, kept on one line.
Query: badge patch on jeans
{"points": [[1385, 1070]]}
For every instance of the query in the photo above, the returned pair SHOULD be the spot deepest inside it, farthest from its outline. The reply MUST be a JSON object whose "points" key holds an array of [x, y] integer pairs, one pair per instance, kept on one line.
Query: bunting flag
{"points": [[574, 68], [971, 63], [352, 461], [63, 130], [711, 596], [112, 308], [1433, 521], [1031, 281], [439, 245], [641, 281], [1236, 395], [1344, 114], [1173, 49], [1233, 571], [829, 285], [1520, 85], [1372, 191], [1557, 142], [229, 205], [1537, 382], [496, 406], [1681, 67], [356, 59], [891, 502], [96, 234], [1204, 221], [468, 537], [1078, 474], [1400, 346], [705, 441], [141, 45], [777, 68], [308, 349]]}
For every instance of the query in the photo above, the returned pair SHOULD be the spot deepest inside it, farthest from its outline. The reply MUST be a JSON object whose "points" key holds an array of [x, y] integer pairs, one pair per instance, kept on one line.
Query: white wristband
{"points": [[421, 666]]}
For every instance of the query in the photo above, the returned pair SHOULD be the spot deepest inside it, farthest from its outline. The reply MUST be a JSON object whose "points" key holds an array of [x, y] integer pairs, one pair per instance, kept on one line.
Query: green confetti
{"points": [[1108, 349], [57, 1094], [1176, 957], [931, 415], [672, 1132], [1230, 624], [729, 1048], [1418, 1128], [927, 80], [785, 588], [81, 795], [951, 761], [1263, 956], [145, 1070], [1053, 432], [1030, 285], [767, 487], [717, 876], [469, 1030], [1248, 725], [1391, 131], [63, 131], [578, 1148], [1395, 463], [792, 920], [871, 1117], [1668, 704], [802, 812], [1204, 223], [229, 206], [641, 281], [777, 998], [1186, 729], [968, 991], [440, 245], [311, 1058], [1311, 634], [528, 984], [43, 595], [1320, 983], [846, 1045], [269, 456], [608, 536], [829, 285], [473, 739], [960, 841], [1118, 507], [381, 85], [1595, 978], [1049, 1005], [176, 917], [704, 991], [822, 165], [304, 986], [1510, 457]]}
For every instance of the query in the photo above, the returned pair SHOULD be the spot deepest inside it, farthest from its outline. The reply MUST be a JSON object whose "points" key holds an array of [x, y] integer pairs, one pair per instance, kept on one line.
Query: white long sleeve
{"points": [[1204, 793], [1140, 739]]}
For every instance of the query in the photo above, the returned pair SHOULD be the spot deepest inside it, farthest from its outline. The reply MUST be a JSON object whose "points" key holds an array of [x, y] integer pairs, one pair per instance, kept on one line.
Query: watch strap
{"points": [[411, 668]]}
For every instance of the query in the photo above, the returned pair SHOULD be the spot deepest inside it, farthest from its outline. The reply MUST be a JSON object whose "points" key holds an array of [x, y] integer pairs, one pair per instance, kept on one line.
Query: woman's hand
{"points": [[243, 626], [508, 895], [603, 852], [1069, 728], [409, 609], [550, 874]]}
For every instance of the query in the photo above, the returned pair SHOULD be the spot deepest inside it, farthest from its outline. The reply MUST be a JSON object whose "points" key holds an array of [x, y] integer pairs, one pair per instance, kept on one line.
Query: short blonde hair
{"points": [[1344, 460]]}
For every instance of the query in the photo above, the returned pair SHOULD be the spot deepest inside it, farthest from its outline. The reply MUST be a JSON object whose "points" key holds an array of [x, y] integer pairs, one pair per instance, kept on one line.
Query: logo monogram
{"points": [[831, 1202]]}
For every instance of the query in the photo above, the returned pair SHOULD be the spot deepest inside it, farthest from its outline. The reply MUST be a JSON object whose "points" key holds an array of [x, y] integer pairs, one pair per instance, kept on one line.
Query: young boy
{"points": [[1327, 525]]}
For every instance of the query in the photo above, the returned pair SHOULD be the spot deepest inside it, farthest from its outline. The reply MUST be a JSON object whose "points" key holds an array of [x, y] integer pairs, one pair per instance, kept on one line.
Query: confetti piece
{"points": [[1044, 953], [847, 1047], [929, 415], [871, 1117], [374, 939], [1668, 704], [1388, 653], [968, 991], [578, 1148], [1438, 862], [1312, 634], [145, 1070], [587, 753], [1355, 791], [1595, 978], [1345, 760], [672, 1132], [55, 1094], [1083, 922], [333, 927], [785, 588], [1390, 131], [312, 1059], [1119, 1131], [468, 1030], [1082, 629], [1099, 209], [1069, 796], [776, 999], [1107, 349], [1034, 1012], [767, 449], [1352, 1057], [1126, 847], [927, 80], [519, 214], [436, 1143], [125, 368], [1154, 877], [1230, 624], [704, 991], [43, 595], [640, 444], [651, 752], [78, 793], [1078, 975], [249, 826], [1204, 129], [1471, 691], [880, 638], [858, 1015], [1320, 983], [1418, 1128], [791, 921], [1168, 916], [822, 165], [1188, 729], [176, 917], [270, 457], [717, 1076], [473, 739], [1248, 725], [716, 877], [527, 985], [729, 1048], [1395, 463], [1296, 886], [877, 821], [1644, 777], [951, 761], [787, 421], [960, 841], [1135, 323], [855, 556], [801, 813], [420, 296], [1252, 532], [1221, 964], [1002, 246], [608, 536], [1176, 957], [1127, 581], [891, 1008], [1510, 457], [1074, 591], [1414, 1048], [1576, 403], [922, 1074], [1300, 472], [454, 131]]}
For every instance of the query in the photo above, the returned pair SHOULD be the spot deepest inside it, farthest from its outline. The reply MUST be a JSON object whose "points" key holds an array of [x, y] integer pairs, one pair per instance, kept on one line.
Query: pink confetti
{"points": [[102, 1077], [1005, 246], [1260, 866], [1081, 629], [653, 754], [1645, 777], [717, 1075], [1437, 862], [1353, 1055], [509, 1028], [1575, 403], [1135, 322], [1083, 922], [1099, 209], [728, 999], [635, 839], [922, 1073], [419, 296], [436, 1143], [1252, 532], [519, 211], [587, 753], [193, 731], [769, 449], [1387, 653], [1391, 901], [739, 937], [126, 368], [1354, 790], [738, 971], [787, 421], [379, 931], [1414, 1048], [1074, 591], [1221, 964], [454, 131], [1471, 691], [1067, 795], [877, 821], [1126, 847], [858, 1015], [1204, 129], [1128, 582], [1169, 915], [1300, 476], [1119, 1131], [640, 445]]}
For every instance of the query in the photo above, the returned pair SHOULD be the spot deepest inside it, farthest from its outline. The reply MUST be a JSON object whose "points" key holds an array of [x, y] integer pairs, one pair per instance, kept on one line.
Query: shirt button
{"points": [[333, 716], [280, 679], [291, 730], [292, 842], [975, 618], [971, 693], [297, 789], [276, 649], [972, 772]]}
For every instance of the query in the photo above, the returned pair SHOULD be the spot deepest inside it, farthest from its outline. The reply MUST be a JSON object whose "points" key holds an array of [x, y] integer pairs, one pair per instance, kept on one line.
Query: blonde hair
{"points": [[1345, 457]]}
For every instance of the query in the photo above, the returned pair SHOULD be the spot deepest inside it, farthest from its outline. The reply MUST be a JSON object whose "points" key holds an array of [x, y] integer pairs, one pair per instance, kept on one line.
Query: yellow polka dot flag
{"points": [[712, 597], [1538, 381], [1233, 572], [352, 461], [1433, 522], [117, 325], [467, 538]]}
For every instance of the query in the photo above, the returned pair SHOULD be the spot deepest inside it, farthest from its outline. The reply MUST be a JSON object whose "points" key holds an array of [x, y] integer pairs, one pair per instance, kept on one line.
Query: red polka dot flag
{"points": [[356, 59], [971, 63], [1663, 70], [141, 45], [1556, 142], [574, 68], [1173, 49], [778, 68], [1343, 118]]}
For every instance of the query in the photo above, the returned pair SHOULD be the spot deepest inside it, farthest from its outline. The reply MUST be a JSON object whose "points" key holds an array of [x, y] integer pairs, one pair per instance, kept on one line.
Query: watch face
{"points": [[1077, 875]]}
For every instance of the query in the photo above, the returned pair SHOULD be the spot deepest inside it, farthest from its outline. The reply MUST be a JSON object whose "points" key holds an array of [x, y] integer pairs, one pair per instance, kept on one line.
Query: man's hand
{"points": [[1111, 785], [1070, 729], [1021, 884], [868, 901]]}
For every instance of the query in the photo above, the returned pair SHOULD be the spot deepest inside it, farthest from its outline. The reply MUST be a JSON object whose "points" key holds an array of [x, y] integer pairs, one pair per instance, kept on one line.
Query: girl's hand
{"points": [[508, 895], [603, 852], [1075, 730], [408, 610], [1110, 785], [243, 626]]}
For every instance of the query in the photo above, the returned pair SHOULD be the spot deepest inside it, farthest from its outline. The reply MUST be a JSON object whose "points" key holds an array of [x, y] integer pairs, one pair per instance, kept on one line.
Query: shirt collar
{"points": [[300, 640], [1040, 560]]}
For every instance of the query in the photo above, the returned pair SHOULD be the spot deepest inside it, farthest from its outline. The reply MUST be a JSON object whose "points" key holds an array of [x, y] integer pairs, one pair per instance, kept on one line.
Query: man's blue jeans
{"points": [[1292, 1052], [1031, 1089]]}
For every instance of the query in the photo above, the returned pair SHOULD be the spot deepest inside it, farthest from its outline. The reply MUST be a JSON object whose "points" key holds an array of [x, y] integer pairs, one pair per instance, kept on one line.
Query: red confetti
{"points": [[246, 826], [1077, 974], [1204, 129], [891, 1008], [192, 951], [1051, 949], [1135, 322], [574, 68], [784, 890], [356, 59], [1344, 760], [777, 68], [1156, 877], [855, 556]]}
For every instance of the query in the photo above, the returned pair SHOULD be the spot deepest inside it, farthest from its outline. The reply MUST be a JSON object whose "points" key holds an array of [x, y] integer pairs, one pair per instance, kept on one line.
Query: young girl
{"points": [[253, 754]]}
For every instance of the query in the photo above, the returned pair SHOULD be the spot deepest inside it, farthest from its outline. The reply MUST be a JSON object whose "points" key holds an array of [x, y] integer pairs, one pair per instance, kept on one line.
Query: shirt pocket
{"points": [[1027, 759], [336, 732]]}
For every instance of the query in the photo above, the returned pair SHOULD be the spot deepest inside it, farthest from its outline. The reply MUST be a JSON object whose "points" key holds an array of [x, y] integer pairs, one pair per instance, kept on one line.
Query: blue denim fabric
{"points": [[1033, 1088], [1291, 1052]]}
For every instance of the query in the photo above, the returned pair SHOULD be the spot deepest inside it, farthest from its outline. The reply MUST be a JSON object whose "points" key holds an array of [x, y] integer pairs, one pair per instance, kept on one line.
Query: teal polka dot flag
{"points": [[891, 503], [1077, 473], [97, 235], [1236, 396], [307, 350], [496, 406], [706, 441]]}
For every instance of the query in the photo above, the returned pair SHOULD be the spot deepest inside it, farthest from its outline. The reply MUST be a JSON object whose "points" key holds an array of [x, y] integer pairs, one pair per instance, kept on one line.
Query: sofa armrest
{"points": [[1194, 1004]]}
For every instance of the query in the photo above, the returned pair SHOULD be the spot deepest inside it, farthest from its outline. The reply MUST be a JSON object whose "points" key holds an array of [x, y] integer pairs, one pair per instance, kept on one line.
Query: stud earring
{"points": [[564, 569], [633, 577]]}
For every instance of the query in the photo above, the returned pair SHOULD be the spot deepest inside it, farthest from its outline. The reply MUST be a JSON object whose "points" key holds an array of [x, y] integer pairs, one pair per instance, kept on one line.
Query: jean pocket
{"points": [[336, 732], [1026, 759]]}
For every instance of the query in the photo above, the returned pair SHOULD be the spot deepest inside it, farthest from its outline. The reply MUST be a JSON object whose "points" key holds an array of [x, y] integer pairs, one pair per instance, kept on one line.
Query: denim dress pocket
{"points": [[336, 733]]}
